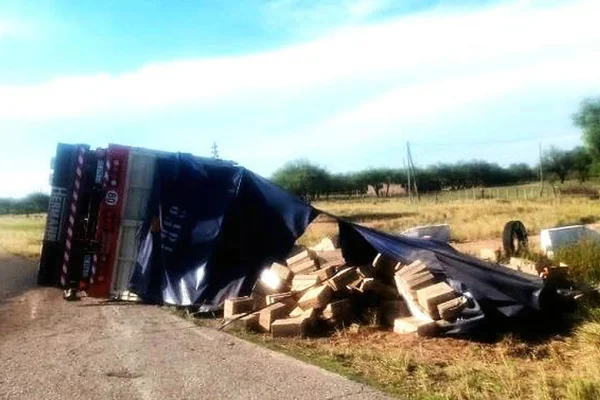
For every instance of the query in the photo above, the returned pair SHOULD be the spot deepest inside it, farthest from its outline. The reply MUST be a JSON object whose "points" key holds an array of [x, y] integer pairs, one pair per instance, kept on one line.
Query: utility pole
{"points": [[411, 167], [408, 190], [541, 172], [215, 151]]}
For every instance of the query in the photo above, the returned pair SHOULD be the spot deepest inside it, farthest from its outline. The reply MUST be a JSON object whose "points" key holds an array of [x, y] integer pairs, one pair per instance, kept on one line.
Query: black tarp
{"points": [[220, 224]]}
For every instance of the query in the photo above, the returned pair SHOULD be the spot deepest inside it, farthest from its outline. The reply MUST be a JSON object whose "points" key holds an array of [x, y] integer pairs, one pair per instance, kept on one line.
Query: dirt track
{"points": [[52, 349]]}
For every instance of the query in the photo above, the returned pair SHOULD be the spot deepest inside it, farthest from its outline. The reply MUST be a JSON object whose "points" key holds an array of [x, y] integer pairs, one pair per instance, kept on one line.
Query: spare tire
{"points": [[514, 238]]}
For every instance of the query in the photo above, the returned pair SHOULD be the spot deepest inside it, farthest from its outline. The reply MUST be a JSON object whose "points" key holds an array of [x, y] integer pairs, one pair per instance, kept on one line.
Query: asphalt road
{"points": [[52, 349]]}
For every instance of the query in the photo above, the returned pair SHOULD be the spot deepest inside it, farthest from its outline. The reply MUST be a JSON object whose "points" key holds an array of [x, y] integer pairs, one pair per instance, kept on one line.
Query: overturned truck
{"points": [[173, 228]]}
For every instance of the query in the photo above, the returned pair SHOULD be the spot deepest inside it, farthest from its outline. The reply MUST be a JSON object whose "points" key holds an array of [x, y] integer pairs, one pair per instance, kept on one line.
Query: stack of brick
{"points": [[430, 299], [317, 287]]}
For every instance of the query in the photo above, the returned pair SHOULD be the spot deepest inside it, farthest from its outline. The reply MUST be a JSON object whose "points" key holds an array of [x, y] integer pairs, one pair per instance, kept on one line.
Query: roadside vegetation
{"points": [[22, 235], [470, 220]]}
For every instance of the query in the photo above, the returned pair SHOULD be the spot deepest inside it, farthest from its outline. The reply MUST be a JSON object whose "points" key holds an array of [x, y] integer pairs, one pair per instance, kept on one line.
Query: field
{"points": [[562, 364], [22, 235], [469, 220]]}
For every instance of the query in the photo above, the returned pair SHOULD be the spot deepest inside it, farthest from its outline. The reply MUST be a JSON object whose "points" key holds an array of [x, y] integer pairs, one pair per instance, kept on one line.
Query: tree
{"points": [[558, 162], [588, 119], [521, 173], [582, 163], [303, 179]]}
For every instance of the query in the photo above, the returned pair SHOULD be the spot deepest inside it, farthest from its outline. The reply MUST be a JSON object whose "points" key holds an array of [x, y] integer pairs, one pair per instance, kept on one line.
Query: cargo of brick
{"points": [[178, 229], [316, 290]]}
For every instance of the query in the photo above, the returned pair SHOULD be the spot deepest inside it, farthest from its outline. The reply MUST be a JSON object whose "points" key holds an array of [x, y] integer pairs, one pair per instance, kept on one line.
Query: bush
{"points": [[583, 260]]}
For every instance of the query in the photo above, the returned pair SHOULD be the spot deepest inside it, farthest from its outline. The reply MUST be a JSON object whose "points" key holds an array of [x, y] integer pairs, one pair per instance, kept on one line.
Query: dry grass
{"points": [[469, 220], [22, 235], [444, 368]]}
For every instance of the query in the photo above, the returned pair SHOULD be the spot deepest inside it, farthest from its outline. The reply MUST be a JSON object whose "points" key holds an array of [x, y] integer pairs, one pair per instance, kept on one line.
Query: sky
{"points": [[344, 84]]}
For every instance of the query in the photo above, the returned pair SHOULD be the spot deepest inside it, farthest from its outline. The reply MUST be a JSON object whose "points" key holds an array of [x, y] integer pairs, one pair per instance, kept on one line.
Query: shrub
{"points": [[583, 260]]}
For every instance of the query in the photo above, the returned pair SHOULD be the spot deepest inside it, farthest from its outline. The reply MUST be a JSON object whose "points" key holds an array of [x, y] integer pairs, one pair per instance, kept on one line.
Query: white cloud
{"points": [[16, 30], [464, 54], [309, 17]]}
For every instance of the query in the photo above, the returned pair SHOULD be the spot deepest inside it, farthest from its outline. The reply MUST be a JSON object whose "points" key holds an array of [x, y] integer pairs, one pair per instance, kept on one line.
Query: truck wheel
{"points": [[514, 238]]}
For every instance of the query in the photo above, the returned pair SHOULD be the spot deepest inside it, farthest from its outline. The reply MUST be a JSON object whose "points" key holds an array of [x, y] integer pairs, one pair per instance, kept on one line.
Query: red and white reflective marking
{"points": [[104, 185], [93, 270], [73, 212]]}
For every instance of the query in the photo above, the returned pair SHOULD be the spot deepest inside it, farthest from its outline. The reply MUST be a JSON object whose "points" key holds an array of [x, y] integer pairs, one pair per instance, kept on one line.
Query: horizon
{"points": [[344, 84]]}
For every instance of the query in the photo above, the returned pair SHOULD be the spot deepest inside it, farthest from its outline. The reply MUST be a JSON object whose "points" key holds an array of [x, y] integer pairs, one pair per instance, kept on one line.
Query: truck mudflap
{"points": [[109, 220]]}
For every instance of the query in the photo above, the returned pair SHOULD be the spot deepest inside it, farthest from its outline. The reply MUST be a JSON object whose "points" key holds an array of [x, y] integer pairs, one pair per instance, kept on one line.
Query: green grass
{"points": [[583, 260], [22, 235]]}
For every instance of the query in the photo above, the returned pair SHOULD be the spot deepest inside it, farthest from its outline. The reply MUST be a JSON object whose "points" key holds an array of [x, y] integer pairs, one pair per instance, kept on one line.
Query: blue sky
{"points": [[342, 83]]}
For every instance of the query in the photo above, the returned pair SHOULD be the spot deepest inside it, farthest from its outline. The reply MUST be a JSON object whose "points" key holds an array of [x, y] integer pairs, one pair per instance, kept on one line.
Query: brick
{"points": [[344, 277], [283, 272], [300, 257], [271, 313], [237, 305], [286, 298], [415, 325], [308, 265], [412, 268], [302, 282], [270, 283], [296, 326], [431, 296], [451, 309], [418, 281], [326, 244], [249, 322], [392, 310], [326, 271], [317, 297], [334, 256], [296, 312]]}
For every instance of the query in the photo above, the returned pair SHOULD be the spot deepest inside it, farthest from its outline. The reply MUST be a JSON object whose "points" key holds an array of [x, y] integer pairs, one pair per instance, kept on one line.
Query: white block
{"points": [[554, 238], [438, 232]]}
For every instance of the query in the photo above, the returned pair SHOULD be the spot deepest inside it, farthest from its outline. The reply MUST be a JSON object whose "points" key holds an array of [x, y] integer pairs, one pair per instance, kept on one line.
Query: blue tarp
{"points": [[212, 226]]}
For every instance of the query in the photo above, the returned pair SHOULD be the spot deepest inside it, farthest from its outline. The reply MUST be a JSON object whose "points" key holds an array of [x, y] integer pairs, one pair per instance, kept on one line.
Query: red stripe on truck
{"points": [[109, 220]]}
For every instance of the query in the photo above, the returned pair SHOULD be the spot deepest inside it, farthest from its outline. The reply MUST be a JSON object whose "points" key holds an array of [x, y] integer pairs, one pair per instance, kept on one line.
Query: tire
{"points": [[514, 238]]}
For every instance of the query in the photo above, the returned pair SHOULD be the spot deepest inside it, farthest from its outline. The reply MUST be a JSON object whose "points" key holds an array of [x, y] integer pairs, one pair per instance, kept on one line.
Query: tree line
{"points": [[312, 181], [31, 204]]}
